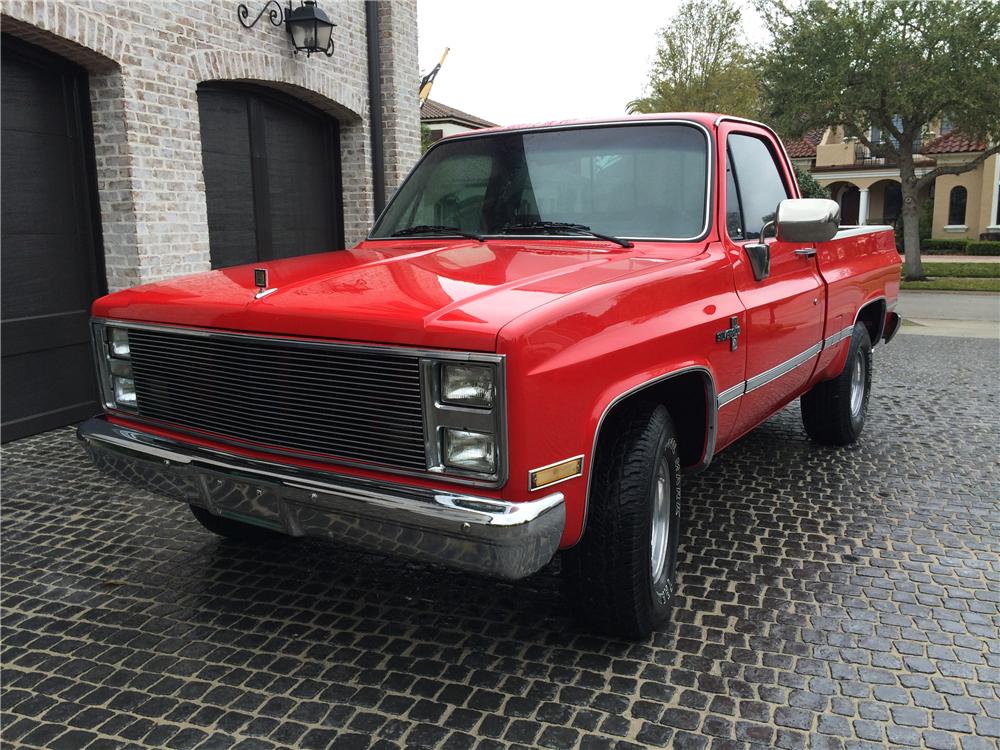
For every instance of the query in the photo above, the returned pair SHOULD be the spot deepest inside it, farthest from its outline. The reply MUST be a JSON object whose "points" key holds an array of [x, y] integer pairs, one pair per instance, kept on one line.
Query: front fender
{"points": [[570, 362]]}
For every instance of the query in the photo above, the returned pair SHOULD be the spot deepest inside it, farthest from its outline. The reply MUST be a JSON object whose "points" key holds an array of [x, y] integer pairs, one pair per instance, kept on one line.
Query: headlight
{"points": [[115, 368], [118, 343], [464, 416], [467, 385], [124, 392], [473, 451]]}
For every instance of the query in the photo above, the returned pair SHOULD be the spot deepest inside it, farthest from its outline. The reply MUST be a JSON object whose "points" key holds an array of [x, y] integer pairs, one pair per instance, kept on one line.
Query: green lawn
{"points": [[953, 284], [958, 277], [963, 270]]}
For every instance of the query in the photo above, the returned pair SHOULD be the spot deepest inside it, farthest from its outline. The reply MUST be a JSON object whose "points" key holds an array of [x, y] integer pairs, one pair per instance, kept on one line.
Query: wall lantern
{"points": [[309, 27]]}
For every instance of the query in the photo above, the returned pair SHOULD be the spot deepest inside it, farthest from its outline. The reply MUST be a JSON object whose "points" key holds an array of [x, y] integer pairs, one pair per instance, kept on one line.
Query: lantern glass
{"points": [[303, 35], [310, 28], [323, 33]]}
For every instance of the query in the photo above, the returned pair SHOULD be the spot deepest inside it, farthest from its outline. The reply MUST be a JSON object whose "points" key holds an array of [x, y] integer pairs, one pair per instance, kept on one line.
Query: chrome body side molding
{"points": [[784, 368], [844, 333], [731, 394]]}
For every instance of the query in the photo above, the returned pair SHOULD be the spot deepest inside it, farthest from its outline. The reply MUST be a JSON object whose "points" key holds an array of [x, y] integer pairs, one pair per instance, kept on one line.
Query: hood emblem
{"points": [[260, 281]]}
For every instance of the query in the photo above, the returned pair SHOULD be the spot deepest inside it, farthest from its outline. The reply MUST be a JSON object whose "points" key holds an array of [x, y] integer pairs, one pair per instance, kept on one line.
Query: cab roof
{"points": [[708, 119]]}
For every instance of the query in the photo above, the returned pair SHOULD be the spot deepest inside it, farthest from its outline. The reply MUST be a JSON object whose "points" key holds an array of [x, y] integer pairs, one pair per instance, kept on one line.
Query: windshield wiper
{"points": [[437, 229], [562, 227]]}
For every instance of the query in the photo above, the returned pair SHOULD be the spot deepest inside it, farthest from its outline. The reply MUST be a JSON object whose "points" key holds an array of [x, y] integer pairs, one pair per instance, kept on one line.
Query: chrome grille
{"points": [[357, 405]]}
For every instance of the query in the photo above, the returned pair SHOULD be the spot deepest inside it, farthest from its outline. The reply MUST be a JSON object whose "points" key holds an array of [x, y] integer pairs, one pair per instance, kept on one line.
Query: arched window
{"points": [[956, 206]]}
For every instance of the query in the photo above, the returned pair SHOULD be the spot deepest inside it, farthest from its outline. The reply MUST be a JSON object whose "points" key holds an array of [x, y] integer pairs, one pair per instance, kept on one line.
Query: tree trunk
{"points": [[914, 269]]}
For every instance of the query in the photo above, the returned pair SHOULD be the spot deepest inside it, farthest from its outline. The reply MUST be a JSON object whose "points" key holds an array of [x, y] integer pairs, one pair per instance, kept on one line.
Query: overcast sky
{"points": [[518, 61]]}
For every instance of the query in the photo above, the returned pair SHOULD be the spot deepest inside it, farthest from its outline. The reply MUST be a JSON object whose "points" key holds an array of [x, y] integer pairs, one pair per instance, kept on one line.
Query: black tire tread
{"points": [[826, 408], [606, 572]]}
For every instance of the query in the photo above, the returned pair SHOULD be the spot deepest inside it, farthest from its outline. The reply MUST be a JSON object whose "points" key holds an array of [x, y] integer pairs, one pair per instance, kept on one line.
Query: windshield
{"points": [[637, 181]]}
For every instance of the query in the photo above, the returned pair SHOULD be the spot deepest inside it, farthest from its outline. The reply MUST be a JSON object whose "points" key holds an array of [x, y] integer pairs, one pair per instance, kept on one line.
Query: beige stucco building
{"points": [[966, 206]]}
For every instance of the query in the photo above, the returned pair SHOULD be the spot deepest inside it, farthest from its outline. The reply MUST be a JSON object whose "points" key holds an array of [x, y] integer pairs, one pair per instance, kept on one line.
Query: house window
{"points": [[956, 206], [946, 126]]}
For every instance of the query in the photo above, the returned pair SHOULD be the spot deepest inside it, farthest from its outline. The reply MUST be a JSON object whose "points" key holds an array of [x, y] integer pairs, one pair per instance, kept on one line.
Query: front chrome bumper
{"points": [[480, 534]]}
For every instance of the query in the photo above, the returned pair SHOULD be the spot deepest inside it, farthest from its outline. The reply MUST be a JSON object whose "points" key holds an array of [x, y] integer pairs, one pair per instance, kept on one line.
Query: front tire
{"points": [[620, 576], [834, 411]]}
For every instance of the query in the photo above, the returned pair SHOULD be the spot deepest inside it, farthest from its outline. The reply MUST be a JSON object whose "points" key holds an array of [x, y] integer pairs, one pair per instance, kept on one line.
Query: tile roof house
{"points": [[805, 146], [444, 120], [867, 186]]}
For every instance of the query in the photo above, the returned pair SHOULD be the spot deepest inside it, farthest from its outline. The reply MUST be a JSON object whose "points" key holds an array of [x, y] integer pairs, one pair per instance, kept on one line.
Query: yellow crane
{"points": [[428, 80]]}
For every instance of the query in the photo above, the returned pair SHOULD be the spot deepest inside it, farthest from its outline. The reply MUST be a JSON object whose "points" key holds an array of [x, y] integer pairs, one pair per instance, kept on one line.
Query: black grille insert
{"points": [[356, 405]]}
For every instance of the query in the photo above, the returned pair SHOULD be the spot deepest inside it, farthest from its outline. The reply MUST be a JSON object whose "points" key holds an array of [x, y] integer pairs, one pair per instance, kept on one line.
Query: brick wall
{"points": [[146, 60]]}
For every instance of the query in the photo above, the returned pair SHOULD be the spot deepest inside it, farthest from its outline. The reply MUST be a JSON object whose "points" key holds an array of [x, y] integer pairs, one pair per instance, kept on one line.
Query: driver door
{"points": [[786, 308]]}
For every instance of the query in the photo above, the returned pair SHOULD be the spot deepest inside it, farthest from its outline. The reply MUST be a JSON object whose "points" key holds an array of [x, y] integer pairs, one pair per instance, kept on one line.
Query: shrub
{"points": [[943, 247], [808, 185], [982, 247]]}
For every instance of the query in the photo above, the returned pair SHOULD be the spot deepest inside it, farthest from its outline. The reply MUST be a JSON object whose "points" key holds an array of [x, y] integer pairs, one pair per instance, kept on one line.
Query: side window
{"points": [[734, 216], [761, 188]]}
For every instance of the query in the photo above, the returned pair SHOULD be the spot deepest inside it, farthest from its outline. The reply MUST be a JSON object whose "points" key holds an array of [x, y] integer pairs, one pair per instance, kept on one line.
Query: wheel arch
{"points": [[872, 314], [690, 396]]}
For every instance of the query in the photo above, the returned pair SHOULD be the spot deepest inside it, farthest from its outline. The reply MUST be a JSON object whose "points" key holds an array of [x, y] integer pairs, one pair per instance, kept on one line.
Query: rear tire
{"points": [[231, 529], [834, 411], [620, 576]]}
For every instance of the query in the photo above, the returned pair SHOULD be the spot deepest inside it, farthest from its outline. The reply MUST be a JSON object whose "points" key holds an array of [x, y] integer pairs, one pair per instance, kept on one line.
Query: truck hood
{"points": [[431, 293]]}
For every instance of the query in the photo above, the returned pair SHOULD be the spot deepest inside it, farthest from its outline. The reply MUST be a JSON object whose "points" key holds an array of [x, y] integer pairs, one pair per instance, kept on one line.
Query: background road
{"points": [[968, 314], [828, 598]]}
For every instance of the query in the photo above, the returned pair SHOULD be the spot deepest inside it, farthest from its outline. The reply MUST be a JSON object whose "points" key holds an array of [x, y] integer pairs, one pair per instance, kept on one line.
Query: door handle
{"points": [[806, 252]]}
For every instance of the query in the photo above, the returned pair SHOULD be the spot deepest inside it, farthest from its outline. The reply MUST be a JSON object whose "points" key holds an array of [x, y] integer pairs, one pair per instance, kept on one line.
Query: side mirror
{"points": [[807, 220]]}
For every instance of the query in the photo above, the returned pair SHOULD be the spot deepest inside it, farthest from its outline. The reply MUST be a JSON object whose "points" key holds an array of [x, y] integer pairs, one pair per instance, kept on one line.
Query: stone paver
{"points": [[828, 598]]}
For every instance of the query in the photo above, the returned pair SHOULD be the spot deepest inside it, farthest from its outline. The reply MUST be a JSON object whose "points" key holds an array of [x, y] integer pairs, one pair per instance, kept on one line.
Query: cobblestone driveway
{"points": [[828, 598]]}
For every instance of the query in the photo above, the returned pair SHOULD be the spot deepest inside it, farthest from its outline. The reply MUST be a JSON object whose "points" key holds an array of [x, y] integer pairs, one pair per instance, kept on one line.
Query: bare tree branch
{"points": [[928, 178]]}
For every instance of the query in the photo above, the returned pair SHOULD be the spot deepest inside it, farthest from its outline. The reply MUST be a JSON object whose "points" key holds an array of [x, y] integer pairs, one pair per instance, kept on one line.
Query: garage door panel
{"points": [[272, 190], [224, 127], [33, 101], [231, 197], [233, 248], [36, 172], [300, 183], [49, 248], [26, 335], [44, 274], [49, 393]]}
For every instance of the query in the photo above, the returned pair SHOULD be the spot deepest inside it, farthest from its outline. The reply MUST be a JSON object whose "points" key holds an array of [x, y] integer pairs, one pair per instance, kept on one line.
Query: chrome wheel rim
{"points": [[858, 385], [661, 519]]}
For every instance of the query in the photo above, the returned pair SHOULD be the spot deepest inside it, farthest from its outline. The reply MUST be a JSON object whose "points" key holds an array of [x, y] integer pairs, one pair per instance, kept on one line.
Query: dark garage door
{"points": [[50, 267], [272, 176]]}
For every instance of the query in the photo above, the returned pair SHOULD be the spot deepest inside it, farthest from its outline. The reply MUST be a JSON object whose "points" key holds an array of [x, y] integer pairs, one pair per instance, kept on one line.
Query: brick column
{"points": [[400, 82]]}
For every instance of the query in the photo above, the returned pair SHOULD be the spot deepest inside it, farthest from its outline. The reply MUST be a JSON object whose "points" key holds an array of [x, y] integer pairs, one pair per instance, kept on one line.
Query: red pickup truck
{"points": [[546, 328]]}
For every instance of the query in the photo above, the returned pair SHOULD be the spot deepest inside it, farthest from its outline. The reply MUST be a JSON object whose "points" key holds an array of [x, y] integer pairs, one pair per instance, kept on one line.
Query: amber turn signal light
{"points": [[553, 473]]}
